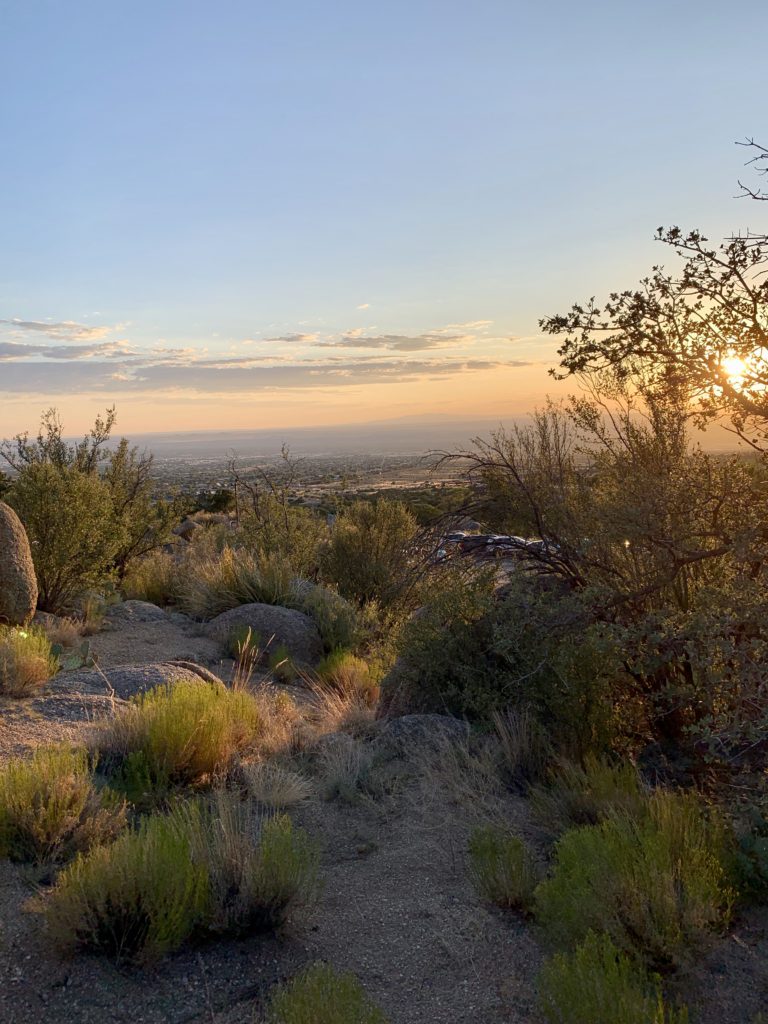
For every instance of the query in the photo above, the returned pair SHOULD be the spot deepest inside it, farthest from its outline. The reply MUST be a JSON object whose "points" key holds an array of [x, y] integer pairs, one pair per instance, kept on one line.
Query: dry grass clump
{"points": [[50, 808], [211, 583], [344, 767], [182, 734], [524, 749], [154, 578], [206, 867], [337, 711], [343, 671], [656, 885], [26, 661], [501, 868], [586, 795], [63, 631], [321, 995], [597, 982], [274, 786]]}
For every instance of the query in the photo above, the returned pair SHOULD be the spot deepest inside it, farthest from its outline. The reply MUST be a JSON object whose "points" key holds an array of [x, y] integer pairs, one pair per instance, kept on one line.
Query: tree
{"points": [[701, 330]]}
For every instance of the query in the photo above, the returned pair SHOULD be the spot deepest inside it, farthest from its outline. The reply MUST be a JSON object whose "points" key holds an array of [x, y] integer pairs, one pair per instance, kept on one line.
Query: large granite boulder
{"points": [[18, 584], [135, 611], [272, 627], [127, 681]]}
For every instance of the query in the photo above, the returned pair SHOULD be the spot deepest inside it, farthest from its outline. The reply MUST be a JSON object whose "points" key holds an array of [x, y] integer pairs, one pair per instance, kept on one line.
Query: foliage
{"points": [[321, 995], [87, 510], [181, 734], [214, 583], [337, 621], [134, 900], [153, 578], [588, 794], [367, 556], [501, 868], [50, 808], [348, 674], [656, 885], [597, 982], [27, 660]]}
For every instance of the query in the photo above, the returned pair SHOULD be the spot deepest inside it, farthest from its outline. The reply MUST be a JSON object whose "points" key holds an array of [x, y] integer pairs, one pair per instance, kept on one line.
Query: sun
{"points": [[734, 367]]}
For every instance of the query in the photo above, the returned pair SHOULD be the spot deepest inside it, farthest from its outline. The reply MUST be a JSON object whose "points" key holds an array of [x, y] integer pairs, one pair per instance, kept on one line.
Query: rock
{"points": [[274, 627], [186, 529], [410, 731], [128, 680], [135, 611], [18, 583]]}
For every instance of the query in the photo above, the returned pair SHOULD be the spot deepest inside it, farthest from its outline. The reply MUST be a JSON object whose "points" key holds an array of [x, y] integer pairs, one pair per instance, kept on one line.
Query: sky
{"points": [[246, 214]]}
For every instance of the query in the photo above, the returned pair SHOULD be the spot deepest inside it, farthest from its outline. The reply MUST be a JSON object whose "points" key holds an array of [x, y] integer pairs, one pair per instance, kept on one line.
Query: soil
{"points": [[397, 909]]}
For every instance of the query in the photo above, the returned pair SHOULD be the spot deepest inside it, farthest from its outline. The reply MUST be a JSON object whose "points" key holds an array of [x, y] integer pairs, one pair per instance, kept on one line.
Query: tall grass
{"points": [[588, 794], [50, 808], [154, 578], [26, 661], [214, 583], [501, 868]]}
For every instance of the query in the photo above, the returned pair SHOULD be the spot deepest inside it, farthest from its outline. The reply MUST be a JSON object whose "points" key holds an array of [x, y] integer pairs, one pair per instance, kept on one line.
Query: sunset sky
{"points": [[245, 214]]}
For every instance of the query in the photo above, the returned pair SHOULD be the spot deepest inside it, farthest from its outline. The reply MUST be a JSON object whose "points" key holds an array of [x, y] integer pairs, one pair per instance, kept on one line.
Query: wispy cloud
{"points": [[64, 330]]}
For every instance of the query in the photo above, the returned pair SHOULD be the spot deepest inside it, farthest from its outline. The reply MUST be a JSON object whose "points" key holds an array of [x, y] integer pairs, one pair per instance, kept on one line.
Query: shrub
{"points": [[348, 674], [337, 621], [599, 983], [259, 871], [26, 661], [321, 995], [587, 795], [50, 808], [275, 787], [501, 868], [214, 583], [181, 734], [135, 900], [657, 886], [367, 555], [154, 578], [70, 519]]}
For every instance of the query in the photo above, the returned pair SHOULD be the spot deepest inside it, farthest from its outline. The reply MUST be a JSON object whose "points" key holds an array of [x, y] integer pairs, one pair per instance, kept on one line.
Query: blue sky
{"points": [[244, 213]]}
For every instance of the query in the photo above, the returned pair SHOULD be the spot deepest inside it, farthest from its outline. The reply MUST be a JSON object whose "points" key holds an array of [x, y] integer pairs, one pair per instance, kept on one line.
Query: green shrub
{"points": [[207, 867], [586, 795], [337, 621], [181, 734], [501, 868], [260, 871], [657, 886], [348, 674], [598, 983], [27, 660], [367, 556], [50, 808], [321, 995], [137, 899]]}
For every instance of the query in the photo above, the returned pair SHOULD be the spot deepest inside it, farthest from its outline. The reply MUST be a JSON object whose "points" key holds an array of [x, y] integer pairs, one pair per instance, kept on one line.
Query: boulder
{"points": [[18, 584], [274, 627], [128, 680], [135, 611]]}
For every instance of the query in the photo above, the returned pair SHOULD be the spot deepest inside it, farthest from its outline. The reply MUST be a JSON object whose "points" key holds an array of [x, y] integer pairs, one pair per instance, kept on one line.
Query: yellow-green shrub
{"points": [[501, 868], [50, 808], [26, 661], [598, 983], [321, 995], [180, 734], [656, 885], [586, 795]]}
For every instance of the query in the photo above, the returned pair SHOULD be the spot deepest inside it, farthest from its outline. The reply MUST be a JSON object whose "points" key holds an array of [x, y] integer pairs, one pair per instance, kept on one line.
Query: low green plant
{"points": [[27, 660], [180, 734], [50, 808], [501, 868], [657, 885], [348, 674], [750, 854], [338, 622], [136, 899], [598, 983], [321, 995], [585, 795]]}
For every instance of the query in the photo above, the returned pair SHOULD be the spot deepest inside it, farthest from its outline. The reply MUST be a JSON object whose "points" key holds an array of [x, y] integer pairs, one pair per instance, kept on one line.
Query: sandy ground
{"points": [[397, 909]]}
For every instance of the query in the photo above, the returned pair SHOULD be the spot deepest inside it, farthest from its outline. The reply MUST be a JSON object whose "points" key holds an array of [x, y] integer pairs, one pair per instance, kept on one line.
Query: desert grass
{"points": [[275, 786], [321, 995], [212, 583], [50, 808], [153, 577], [65, 631], [26, 661], [585, 795]]}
